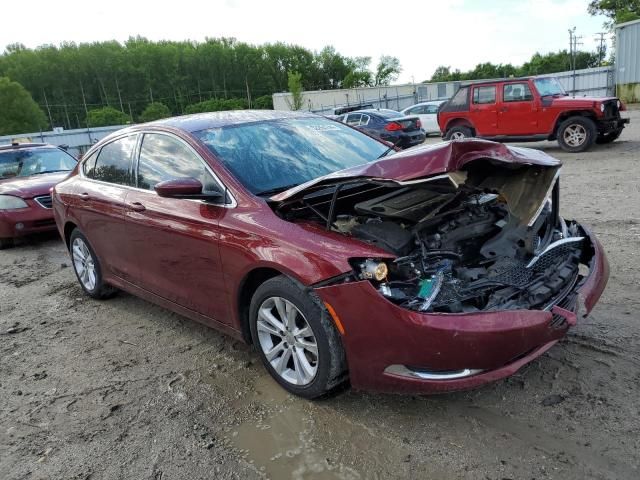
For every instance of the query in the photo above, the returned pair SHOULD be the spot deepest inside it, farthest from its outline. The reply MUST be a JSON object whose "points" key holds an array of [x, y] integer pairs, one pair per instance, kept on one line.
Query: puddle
{"points": [[281, 444]]}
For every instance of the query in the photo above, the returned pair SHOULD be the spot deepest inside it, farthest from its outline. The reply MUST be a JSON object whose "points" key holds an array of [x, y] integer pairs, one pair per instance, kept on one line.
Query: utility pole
{"points": [[84, 100], [119, 96], [601, 49], [48, 109], [573, 48]]}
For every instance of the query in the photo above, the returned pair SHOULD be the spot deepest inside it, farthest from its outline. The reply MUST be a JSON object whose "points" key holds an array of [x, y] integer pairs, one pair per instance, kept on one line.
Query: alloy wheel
{"points": [[287, 341], [457, 136], [83, 264], [575, 135]]}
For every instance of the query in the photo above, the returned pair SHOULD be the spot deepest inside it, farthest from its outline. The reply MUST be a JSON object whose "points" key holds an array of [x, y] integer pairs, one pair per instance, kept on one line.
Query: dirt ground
{"points": [[125, 389]]}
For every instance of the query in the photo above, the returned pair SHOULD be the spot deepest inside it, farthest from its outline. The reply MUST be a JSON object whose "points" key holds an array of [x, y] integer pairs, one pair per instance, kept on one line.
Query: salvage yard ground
{"points": [[125, 389]]}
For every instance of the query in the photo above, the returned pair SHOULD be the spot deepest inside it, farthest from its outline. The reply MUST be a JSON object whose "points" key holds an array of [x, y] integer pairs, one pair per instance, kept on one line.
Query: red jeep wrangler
{"points": [[530, 109]]}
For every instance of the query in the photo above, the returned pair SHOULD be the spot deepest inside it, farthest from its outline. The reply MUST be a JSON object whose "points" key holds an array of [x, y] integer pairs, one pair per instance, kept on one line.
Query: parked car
{"points": [[531, 109], [401, 130], [427, 112], [27, 173], [433, 269]]}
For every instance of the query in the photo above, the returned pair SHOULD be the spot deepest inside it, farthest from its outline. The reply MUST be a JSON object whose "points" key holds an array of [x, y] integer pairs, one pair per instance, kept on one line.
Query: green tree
{"points": [[18, 112], [617, 11], [295, 88], [359, 74], [387, 70], [265, 102], [217, 105], [155, 111], [107, 116]]}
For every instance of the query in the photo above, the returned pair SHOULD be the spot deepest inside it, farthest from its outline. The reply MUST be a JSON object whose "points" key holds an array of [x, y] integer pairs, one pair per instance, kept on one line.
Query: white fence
{"points": [[596, 82], [78, 141]]}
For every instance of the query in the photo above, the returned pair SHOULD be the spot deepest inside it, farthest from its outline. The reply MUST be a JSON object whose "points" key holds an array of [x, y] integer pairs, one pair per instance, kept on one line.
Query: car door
{"points": [[175, 241], [483, 112], [100, 200], [429, 119], [517, 113]]}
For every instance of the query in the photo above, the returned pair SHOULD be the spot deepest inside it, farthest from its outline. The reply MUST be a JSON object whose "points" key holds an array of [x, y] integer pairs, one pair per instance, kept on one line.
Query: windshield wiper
{"points": [[392, 147], [50, 171], [273, 191]]}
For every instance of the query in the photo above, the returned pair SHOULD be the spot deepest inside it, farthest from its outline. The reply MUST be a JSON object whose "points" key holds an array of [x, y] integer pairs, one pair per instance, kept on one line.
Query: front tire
{"points": [[296, 339], [577, 134], [87, 267], [458, 133]]}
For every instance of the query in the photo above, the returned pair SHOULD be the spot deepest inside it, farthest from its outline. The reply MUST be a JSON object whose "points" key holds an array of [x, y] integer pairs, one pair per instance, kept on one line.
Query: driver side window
{"points": [[165, 158]]}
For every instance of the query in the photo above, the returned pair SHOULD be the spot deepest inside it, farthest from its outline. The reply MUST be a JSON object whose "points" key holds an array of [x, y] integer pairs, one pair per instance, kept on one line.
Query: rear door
{"points": [[518, 113], [175, 241], [483, 113], [100, 200]]}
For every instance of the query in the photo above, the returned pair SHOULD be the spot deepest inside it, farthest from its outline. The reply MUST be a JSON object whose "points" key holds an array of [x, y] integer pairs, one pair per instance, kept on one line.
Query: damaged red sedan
{"points": [[435, 269]]}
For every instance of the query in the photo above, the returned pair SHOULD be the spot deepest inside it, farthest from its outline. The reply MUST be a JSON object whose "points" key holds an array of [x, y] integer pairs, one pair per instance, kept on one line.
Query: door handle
{"points": [[503, 109], [84, 196], [137, 207]]}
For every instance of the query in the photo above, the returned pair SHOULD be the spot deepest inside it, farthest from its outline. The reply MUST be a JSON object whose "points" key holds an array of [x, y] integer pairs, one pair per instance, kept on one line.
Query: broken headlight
{"points": [[370, 269]]}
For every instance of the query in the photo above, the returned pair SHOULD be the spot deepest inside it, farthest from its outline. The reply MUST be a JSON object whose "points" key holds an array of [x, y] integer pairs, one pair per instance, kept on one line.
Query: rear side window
{"points": [[459, 102], [516, 92], [431, 109], [483, 95], [353, 119], [165, 158], [113, 164]]}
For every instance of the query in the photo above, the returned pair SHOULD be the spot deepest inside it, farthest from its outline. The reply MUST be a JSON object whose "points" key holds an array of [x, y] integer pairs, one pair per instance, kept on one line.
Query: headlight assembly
{"points": [[371, 269], [9, 202], [602, 107]]}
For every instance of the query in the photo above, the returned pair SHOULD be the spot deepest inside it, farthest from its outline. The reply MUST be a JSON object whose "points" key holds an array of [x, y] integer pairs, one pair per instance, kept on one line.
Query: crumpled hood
{"points": [[33, 186], [570, 101], [426, 161]]}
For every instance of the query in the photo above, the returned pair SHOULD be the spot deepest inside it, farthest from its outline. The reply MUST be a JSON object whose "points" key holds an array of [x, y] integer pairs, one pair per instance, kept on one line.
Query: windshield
{"points": [[549, 86], [33, 161], [268, 157]]}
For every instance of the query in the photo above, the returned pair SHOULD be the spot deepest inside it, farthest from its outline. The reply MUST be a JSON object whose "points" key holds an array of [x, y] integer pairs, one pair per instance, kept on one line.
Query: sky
{"points": [[423, 34]]}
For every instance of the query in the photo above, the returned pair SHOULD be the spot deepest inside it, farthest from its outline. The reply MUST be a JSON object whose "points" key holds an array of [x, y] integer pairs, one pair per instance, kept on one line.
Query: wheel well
{"points": [[248, 287], [572, 113], [68, 228], [459, 122]]}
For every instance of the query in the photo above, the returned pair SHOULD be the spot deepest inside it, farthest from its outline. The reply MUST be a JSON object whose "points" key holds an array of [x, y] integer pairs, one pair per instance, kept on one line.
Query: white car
{"points": [[428, 113]]}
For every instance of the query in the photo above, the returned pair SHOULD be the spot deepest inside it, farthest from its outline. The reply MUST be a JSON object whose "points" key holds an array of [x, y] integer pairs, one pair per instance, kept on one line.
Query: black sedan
{"points": [[401, 130]]}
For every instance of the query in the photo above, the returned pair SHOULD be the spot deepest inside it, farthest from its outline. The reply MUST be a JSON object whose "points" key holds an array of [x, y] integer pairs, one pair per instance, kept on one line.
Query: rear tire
{"points": [[458, 133], [87, 267], [577, 134], [296, 338], [6, 243], [608, 137]]}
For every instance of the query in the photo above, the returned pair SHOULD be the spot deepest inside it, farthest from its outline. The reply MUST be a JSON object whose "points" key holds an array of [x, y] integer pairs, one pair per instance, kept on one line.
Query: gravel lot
{"points": [[125, 389]]}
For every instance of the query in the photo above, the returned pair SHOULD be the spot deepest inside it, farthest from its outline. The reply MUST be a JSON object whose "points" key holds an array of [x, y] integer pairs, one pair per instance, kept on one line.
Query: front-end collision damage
{"points": [[488, 237], [477, 273]]}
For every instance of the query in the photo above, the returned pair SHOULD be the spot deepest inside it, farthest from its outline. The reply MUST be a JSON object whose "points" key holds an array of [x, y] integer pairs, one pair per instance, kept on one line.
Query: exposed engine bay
{"points": [[484, 239]]}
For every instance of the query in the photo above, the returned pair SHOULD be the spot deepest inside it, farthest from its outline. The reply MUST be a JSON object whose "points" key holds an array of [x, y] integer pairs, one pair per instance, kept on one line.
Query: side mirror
{"points": [[184, 188]]}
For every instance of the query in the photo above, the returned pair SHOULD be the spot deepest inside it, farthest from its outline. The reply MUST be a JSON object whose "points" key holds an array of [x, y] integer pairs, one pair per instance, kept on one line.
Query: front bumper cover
{"points": [[380, 334], [25, 221]]}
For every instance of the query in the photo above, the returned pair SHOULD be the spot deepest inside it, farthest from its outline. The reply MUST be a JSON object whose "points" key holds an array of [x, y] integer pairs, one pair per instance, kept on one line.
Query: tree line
{"points": [[71, 80]]}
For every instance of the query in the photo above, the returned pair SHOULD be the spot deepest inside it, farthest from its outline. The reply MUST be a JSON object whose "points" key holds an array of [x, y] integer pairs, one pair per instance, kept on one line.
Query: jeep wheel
{"points": [[458, 133], [576, 134], [608, 137]]}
